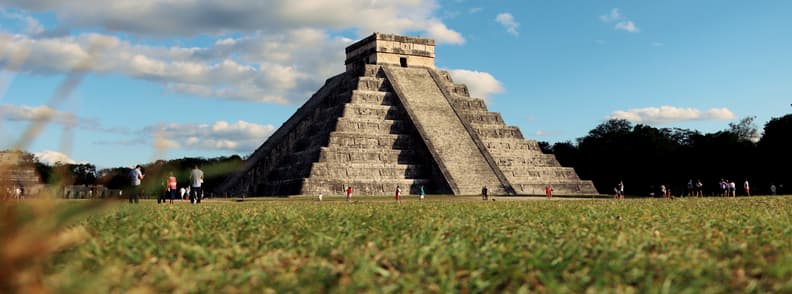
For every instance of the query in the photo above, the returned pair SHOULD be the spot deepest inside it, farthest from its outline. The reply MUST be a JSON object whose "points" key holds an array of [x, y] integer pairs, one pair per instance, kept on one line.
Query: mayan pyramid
{"points": [[393, 119]]}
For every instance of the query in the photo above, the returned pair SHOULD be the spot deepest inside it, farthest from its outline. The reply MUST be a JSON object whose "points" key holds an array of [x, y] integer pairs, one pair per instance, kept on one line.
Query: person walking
{"points": [[173, 188], [421, 193], [135, 178], [747, 188], [398, 194], [620, 187], [549, 191], [484, 193], [349, 193], [196, 182], [699, 188]]}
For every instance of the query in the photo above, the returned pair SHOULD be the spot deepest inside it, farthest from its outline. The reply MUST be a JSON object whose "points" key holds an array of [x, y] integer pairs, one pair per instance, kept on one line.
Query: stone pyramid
{"points": [[393, 119]]}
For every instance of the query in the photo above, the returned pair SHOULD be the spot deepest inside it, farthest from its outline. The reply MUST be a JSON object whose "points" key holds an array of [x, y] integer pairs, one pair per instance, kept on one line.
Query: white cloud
{"points": [[216, 17], [614, 15], [284, 68], [622, 22], [44, 113], [32, 25], [40, 113], [657, 44], [240, 136], [277, 51], [474, 10], [480, 84], [670, 114], [628, 26], [50, 157], [508, 22]]}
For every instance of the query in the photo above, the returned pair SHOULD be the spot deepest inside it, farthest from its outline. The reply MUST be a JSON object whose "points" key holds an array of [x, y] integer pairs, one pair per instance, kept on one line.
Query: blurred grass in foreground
{"points": [[686, 245]]}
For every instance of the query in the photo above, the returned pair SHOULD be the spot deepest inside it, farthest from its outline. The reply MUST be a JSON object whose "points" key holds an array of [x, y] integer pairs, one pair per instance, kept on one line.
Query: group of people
{"points": [[397, 195], [729, 188], [16, 192], [194, 190]]}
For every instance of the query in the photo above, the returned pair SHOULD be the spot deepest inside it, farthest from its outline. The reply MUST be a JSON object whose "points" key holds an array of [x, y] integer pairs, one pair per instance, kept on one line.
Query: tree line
{"points": [[642, 156], [215, 172], [645, 157]]}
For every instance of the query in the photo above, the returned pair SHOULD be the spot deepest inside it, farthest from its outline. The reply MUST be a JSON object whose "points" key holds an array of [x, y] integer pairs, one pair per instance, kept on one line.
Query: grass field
{"points": [[706, 245]]}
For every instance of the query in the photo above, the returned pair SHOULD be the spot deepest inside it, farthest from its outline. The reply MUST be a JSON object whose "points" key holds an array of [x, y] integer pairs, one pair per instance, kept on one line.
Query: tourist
{"points": [[620, 186], [723, 187], [182, 193], [320, 196], [549, 191], [699, 188], [421, 193], [349, 193], [135, 178], [398, 194], [772, 189], [172, 187], [663, 191], [484, 193], [747, 188], [196, 180], [163, 196], [733, 188]]}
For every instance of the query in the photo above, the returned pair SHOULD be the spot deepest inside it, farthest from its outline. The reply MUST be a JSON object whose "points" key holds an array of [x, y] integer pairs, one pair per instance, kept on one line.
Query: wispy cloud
{"points": [[614, 15], [480, 84], [622, 22], [507, 21], [657, 44], [628, 26], [670, 114], [240, 136], [217, 17], [277, 51], [24, 113]]}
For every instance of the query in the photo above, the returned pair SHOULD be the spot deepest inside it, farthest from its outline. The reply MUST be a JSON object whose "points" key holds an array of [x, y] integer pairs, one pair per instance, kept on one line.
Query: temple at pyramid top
{"points": [[387, 49], [393, 121]]}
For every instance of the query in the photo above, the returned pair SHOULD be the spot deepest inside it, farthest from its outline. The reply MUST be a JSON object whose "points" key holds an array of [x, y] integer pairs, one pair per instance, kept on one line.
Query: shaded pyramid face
{"points": [[387, 124]]}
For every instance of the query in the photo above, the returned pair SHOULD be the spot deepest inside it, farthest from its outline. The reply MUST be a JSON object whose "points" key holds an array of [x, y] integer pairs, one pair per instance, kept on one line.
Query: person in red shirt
{"points": [[172, 186], [398, 194], [349, 193], [549, 191]]}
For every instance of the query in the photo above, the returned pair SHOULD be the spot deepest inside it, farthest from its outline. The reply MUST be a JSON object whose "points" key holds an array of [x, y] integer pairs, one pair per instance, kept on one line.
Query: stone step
{"points": [[367, 170], [343, 155], [373, 126], [373, 70], [530, 173], [482, 117], [509, 162], [495, 145], [372, 84], [462, 103], [576, 187], [446, 136], [367, 111], [457, 89], [365, 186], [497, 131], [372, 97], [372, 141]]}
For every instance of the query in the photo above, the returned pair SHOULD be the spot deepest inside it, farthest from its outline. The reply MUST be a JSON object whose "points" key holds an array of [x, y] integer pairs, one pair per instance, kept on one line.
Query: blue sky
{"points": [[165, 79]]}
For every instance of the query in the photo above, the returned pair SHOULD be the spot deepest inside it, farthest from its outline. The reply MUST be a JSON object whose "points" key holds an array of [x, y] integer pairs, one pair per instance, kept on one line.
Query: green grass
{"points": [[709, 245]]}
